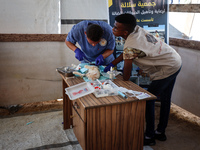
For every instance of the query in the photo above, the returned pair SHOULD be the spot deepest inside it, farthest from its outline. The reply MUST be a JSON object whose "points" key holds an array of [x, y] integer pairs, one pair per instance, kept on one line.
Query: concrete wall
{"points": [[74, 11], [28, 71], [30, 16], [186, 92]]}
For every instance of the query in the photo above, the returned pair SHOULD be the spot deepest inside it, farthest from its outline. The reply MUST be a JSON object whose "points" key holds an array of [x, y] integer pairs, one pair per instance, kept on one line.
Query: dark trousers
{"points": [[162, 89]]}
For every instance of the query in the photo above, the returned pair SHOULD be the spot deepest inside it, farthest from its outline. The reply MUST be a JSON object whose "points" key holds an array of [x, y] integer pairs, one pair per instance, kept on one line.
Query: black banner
{"points": [[150, 14]]}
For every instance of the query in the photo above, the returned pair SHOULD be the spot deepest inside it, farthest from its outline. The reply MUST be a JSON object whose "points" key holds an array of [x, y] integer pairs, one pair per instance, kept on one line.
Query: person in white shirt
{"points": [[155, 58]]}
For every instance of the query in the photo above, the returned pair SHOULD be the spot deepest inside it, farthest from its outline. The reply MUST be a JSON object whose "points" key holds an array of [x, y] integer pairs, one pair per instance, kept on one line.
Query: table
{"points": [[106, 123]]}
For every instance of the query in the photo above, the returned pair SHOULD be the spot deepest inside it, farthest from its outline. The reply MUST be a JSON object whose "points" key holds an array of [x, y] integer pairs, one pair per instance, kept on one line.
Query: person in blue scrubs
{"points": [[96, 40]]}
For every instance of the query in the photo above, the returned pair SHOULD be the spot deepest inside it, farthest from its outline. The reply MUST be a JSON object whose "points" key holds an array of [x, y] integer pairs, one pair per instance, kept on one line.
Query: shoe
{"points": [[161, 137], [149, 142]]}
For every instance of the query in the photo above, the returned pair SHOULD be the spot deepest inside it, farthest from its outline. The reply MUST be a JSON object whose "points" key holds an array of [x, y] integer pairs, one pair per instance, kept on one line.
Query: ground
{"points": [[183, 131], [53, 105], [30, 108]]}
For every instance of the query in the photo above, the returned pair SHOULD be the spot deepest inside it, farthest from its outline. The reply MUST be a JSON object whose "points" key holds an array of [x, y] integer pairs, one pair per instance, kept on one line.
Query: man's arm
{"points": [[118, 59], [129, 54], [127, 69], [107, 53], [114, 62], [78, 53], [72, 46]]}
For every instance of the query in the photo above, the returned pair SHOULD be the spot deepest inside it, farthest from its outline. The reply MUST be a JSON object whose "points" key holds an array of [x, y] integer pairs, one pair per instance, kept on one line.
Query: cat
{"points": [[93, 72]]}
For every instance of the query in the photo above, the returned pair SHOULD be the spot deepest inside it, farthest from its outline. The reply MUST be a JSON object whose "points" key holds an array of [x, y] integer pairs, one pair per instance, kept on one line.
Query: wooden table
{"points": [[106, 123]]}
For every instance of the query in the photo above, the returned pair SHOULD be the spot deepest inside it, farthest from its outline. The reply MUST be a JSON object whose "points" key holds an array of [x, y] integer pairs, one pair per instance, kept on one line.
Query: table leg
{"points": [[67, 109]]}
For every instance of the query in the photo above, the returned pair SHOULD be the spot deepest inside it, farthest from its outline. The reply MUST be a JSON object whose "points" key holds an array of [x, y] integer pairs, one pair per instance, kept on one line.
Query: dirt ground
{"points": [[183, 115], [183, 131]]}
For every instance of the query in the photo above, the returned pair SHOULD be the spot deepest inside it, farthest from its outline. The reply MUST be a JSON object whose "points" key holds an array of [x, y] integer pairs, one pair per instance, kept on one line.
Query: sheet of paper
{"points": [[131, 93]]}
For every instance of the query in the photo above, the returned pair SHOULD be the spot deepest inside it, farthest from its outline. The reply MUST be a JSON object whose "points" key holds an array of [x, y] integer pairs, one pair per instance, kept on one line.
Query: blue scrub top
{"points": [[92, 52]]}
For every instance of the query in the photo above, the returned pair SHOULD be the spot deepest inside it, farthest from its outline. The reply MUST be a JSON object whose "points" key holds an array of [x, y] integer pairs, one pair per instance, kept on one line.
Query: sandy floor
{"points": [[183, 131]]}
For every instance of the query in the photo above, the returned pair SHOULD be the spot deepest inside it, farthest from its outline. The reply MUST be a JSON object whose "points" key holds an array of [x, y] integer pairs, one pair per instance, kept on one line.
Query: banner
{"points": [[152, 15]]}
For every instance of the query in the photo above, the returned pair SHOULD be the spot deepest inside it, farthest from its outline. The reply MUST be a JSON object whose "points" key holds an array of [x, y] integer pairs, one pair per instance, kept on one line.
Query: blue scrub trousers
{"points": [[163, 89]]}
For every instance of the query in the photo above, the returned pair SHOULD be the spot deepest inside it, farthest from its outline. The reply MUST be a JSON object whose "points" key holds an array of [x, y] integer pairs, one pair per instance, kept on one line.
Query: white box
{"points": [[102, 92], [79, 90]]}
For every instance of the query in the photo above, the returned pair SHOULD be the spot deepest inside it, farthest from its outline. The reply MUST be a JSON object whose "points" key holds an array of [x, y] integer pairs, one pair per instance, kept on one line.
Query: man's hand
{"points": [[99, 60], [108, 67], [79, 54], [141, 73]]}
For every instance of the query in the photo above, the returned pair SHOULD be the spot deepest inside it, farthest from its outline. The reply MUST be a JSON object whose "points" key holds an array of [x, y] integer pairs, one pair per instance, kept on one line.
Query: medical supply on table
{"points": [[79, 90], [122, 94], [104, 88], [111, 73], [66, 71], [131, 93]]}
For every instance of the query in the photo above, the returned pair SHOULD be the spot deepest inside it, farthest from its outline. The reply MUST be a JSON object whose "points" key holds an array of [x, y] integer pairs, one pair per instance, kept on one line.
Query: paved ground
{"points": [[183, 131], [40, 127]]}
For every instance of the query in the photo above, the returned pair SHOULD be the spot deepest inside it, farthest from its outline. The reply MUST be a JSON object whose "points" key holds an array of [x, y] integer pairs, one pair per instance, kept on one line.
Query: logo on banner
{"points": [[110, 3]]}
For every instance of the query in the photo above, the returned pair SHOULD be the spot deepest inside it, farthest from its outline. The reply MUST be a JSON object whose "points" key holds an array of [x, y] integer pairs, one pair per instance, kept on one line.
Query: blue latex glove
{"points": [[79, 54], [99, 60], [108, 67]]}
